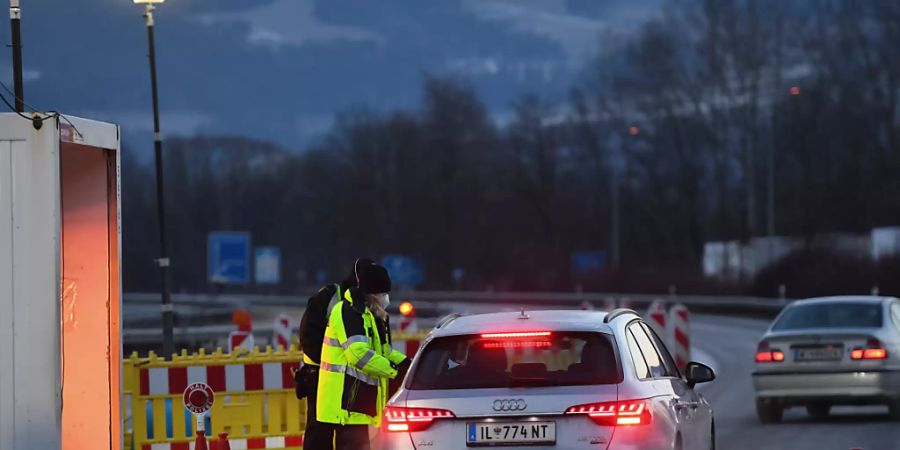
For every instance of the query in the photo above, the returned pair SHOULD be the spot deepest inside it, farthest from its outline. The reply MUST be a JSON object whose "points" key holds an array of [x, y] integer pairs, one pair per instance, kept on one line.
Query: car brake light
{"points": [[874, 350], [518, 344], [519, 334], [399, 418], [764, 354], [623, 413]]}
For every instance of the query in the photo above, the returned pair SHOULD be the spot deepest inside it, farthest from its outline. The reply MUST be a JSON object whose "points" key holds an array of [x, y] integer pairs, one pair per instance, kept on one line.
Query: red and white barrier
{"points": [[281, 332], [273, 442], [680, 341], [241, 340], [586, 306], [409, 325], [224, 378], [626, 302], [657, 318]]}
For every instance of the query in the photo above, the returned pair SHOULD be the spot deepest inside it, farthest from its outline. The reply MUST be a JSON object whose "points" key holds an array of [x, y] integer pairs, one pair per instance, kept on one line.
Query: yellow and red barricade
{"points": [[255, 401]]}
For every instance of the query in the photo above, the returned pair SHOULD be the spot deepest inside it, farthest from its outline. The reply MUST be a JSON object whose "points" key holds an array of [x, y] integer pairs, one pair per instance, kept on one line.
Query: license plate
{"points": [[819, 354], [492, 433]]}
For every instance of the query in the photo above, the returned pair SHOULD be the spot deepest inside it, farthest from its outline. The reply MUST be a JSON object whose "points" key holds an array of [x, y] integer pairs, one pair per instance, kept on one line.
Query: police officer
{"points": [[319, 435], [357, 360]]}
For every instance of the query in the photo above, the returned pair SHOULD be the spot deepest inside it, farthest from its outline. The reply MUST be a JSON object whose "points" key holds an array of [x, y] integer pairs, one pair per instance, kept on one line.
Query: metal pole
{"points": [[15, 26], [163, 261], [615, 221]]}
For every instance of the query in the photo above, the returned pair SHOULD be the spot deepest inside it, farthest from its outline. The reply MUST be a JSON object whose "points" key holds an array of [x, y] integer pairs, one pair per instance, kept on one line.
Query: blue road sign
{"points": [[405, 270], [267, 265], [228, 257], [586, 260]]}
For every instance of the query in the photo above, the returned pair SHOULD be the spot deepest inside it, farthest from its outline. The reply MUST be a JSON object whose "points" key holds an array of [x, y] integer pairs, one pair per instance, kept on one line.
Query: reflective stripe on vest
{"points": [[336, 368]]}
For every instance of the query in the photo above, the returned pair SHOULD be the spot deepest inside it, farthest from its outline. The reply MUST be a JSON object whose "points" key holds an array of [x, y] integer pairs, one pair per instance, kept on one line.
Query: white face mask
{"points": [[383, 300]]}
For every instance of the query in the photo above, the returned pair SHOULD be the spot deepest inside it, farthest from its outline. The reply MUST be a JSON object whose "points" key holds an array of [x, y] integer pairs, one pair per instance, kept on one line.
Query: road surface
{"points": [[731, 343]]}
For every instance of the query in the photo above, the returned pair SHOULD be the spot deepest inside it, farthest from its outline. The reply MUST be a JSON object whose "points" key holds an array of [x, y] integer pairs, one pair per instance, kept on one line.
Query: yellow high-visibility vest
{"points": [[356, 365]]}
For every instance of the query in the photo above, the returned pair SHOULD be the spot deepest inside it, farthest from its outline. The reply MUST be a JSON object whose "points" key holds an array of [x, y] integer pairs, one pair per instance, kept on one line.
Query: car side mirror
{"points": [[698, 373]]}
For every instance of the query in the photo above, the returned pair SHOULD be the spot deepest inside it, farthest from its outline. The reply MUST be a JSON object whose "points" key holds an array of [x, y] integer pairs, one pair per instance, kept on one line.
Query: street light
{"points": [[163, 261]]}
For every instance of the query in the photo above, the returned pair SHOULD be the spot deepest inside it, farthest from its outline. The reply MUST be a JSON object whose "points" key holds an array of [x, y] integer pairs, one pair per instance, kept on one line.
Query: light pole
{"points": [[15, 14], [163, 261]]}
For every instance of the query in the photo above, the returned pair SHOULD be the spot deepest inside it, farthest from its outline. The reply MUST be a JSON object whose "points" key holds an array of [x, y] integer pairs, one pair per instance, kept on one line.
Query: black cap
{"points": [[373, 279]]}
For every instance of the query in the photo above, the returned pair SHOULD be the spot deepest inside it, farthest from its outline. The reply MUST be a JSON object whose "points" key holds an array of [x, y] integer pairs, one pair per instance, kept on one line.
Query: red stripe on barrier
{"points": [[177, 380], [293, 441], [145, 382], [253, 378], [215, 378], [659, 318], [146, 447], [683, 313], [180, 445], [682, 338], [411, 348], [287, 380], [253, 443], [680, 362]]}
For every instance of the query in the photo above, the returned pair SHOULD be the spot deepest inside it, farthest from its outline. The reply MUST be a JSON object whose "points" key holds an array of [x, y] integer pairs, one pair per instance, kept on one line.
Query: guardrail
{"points": [[430, 301]]}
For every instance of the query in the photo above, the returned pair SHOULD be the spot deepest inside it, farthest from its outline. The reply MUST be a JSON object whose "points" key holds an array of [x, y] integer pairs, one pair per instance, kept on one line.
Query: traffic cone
{"points": [[223, 442], [200, 441]]}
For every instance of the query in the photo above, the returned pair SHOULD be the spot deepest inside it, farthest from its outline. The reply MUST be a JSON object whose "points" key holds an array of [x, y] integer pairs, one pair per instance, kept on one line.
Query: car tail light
{"points": [[519, 334], [765, 355], [399, 418], [622, 413], [874, 350]]}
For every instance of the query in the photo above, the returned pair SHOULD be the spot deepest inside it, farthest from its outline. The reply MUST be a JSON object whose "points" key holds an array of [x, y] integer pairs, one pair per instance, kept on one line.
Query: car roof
{"points": [[870, 299], [539, 320]]}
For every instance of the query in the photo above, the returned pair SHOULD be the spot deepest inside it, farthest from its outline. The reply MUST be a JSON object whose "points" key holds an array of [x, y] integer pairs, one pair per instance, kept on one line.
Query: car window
{"points": [[559, 359], [895, 314], [831, 315], [640, 366], [651, 356], [668, 361]]}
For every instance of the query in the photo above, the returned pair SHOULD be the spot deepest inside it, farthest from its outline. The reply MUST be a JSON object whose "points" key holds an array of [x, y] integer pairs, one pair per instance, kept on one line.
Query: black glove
{"points": [[395, 383], [301, 381]]}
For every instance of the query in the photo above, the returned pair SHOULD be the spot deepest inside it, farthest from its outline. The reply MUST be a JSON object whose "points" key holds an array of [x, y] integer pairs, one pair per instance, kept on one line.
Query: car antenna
{"points": [[523, 315]]}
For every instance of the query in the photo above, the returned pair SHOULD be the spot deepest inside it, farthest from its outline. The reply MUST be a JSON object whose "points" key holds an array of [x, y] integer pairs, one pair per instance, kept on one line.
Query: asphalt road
{"points": [[731, 343]]}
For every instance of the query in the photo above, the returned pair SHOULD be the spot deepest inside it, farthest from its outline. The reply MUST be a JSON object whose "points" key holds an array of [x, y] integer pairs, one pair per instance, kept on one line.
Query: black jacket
{"points": [[314, 321]]}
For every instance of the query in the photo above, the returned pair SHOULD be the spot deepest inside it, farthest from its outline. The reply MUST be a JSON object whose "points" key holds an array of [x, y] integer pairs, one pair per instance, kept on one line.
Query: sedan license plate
{"points": [[819, 354], [524, 433]]}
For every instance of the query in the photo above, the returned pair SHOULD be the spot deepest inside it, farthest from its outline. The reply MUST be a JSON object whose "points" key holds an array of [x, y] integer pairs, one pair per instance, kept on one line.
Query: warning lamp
{"points": [[406, 308]]}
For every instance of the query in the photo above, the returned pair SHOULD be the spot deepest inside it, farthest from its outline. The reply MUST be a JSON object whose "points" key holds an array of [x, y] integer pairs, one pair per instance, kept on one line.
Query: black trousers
{"points": [[326, 436]]}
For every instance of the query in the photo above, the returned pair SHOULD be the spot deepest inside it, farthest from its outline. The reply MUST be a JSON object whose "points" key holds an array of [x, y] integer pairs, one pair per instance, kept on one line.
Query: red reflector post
{"points": [[413, 419], [624, 413]]}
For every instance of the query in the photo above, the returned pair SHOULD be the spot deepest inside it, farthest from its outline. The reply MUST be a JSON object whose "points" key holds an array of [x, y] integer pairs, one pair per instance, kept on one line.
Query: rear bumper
{"points": [[848, 387]]}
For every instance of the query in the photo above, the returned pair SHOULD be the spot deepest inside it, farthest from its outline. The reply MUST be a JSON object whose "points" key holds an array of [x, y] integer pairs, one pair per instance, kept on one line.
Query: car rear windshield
{"points": [[831, 315], [557, 359]]}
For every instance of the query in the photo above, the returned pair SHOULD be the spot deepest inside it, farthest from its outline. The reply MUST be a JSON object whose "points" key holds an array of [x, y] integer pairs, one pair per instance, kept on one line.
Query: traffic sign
{"points": [[228, 257], [267, 265], [198, 398], [405, 270]]}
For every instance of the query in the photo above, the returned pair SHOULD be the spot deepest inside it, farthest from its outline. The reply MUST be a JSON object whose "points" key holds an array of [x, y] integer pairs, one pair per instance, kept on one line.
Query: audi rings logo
{"points": [[510, 404]]}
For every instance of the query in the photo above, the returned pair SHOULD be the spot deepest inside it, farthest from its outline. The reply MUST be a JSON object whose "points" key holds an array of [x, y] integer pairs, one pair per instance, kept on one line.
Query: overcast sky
{"points": [[280, 69]]}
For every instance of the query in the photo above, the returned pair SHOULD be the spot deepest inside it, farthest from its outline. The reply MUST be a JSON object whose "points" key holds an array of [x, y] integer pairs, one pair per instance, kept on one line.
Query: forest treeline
{"points": [[722, 119]]}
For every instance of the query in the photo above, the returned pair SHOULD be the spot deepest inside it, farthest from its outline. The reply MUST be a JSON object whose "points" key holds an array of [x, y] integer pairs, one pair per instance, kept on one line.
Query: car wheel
{"points": [[818, 410], [768, 411], [894, 409]]}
